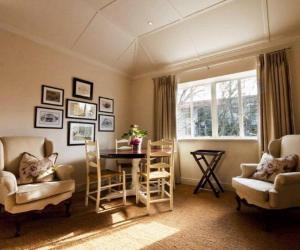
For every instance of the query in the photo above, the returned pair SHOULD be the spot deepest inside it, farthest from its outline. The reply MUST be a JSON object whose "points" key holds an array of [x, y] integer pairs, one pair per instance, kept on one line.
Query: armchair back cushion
{"points": [[12, 148], [290, 144]]}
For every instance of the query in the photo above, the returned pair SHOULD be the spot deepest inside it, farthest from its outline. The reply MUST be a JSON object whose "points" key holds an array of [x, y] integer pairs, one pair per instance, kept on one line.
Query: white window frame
{"points": [[214, 107]]}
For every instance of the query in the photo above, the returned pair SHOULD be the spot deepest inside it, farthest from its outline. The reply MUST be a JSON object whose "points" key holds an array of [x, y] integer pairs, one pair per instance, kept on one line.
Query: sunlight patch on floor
{"points": [[132, 237]]}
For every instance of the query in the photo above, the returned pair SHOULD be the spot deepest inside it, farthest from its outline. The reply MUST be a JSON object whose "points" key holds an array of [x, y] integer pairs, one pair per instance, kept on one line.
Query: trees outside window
{"points": [[224, 108]]}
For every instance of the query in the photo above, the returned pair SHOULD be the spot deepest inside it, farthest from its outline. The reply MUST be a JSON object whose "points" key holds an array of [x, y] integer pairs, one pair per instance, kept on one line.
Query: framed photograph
{"points": [[52, 96], [106, 105], [78, 132], [81, 110], [82, 88], [48, 118], [106, 123]]}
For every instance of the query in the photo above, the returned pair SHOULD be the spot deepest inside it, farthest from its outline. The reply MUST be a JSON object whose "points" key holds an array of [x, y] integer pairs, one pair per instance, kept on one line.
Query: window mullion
{"points": [[214, 115], [241, 111], [191, 111]]}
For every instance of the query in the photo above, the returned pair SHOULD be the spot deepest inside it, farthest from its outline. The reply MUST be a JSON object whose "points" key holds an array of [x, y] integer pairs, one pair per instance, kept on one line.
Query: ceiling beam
{"points": [[265, 14], [89, 22], [147, 53], [124, 51], [192, 15], [84, 30]]}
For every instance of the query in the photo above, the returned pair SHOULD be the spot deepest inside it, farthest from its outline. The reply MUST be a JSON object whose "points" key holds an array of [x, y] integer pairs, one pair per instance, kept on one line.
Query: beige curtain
{"points": [[165, 89], [276, 114]]}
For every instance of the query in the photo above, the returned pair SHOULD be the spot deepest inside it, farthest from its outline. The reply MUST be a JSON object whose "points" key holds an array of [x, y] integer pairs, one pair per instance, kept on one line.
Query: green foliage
{"points": [[135, 132]]}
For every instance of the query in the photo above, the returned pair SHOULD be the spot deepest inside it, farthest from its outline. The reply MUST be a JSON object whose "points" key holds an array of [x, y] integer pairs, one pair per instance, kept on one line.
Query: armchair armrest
{"points": [[8, 185], [64, 172], [284, 179], [248, 169]]}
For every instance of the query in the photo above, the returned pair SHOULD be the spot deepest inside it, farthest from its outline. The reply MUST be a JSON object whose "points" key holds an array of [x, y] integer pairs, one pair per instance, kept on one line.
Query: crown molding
{"points": [[246, 50], [60, 49]]}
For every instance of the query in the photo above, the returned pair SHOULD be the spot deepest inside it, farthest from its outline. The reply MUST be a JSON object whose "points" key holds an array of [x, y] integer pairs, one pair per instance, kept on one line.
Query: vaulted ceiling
{"points": [[138, 36]]}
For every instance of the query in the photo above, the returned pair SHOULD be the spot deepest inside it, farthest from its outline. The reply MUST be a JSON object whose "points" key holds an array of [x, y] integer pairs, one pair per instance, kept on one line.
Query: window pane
{"points": [[250, 105], [184, 112], [184, 95], [202, 110], [228, 108]]}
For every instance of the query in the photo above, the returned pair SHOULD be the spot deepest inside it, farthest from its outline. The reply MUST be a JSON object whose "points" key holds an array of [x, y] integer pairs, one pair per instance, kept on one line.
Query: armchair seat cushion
{"points": [[32, 192], [254, 191]]}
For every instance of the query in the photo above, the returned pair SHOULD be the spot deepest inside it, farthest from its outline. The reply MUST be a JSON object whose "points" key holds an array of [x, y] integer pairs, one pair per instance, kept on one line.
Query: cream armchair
{"points": [[19, 199], [283, 193]]}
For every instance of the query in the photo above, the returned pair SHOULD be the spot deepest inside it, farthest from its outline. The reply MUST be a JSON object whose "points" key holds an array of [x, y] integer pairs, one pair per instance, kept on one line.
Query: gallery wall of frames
{"points": [[81, 113]]}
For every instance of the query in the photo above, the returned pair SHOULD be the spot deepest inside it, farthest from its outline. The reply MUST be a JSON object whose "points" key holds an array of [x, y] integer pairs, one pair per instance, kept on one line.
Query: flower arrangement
{"points": [[135, 136], [135, 141], [135, 132]]}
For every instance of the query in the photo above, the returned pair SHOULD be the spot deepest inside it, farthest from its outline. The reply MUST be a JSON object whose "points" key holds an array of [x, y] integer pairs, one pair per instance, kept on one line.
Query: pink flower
{"points": [[135, 141]]}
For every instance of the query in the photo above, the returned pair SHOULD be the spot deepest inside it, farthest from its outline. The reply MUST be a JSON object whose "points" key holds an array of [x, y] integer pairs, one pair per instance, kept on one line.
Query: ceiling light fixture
{"points": [[150, 23]]}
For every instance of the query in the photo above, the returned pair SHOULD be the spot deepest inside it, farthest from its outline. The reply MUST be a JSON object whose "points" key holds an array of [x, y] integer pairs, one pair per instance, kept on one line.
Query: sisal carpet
{"points": [[198, 222]]}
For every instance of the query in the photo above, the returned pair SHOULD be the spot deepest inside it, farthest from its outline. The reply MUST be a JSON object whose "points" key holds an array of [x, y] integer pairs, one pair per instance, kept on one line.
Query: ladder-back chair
{"points": [[105, 180], [160, 172]]}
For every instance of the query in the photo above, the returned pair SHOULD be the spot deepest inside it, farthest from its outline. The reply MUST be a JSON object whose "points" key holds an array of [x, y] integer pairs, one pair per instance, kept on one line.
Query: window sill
{"points": [[219, 139]]}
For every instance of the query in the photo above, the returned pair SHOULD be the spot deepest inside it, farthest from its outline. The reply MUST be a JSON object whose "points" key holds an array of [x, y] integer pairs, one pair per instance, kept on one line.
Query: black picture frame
{"points": [[80, 118], [100, 127], [37, 125], [43, 96], [103, 109], [88, 84], [69, 141]]}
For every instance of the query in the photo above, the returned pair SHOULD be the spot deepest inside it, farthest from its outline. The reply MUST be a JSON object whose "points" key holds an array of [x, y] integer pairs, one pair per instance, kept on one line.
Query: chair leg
{"points": [[109, 183], [17, 225], [87, 192], [98, 195], [68, 204], [119, 170], [162, 188], [148, 196], [124, 188], [1, 208], [137, 198], [239, 203], [171, 194], [267, 219]]}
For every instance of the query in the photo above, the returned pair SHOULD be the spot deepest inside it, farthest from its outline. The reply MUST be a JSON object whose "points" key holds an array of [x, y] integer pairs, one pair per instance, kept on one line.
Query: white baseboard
{"points": [[194, 182]]}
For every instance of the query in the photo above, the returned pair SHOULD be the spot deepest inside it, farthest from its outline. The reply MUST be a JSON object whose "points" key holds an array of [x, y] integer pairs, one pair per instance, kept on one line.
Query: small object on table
{"points": [[209, 171]]}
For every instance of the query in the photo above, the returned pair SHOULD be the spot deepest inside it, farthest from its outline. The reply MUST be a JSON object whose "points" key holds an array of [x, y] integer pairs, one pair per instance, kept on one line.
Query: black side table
{"points": [[208, 172]]}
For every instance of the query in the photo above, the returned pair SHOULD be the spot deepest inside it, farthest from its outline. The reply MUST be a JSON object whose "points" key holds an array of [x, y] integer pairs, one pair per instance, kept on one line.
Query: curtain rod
{"points": [[287, 48], [207, 65], [227, 61], [215, 64]]}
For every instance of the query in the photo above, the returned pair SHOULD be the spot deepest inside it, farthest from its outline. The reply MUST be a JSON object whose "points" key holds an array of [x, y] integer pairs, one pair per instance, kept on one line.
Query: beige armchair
{"points": [[19, 199], [283, 193]]}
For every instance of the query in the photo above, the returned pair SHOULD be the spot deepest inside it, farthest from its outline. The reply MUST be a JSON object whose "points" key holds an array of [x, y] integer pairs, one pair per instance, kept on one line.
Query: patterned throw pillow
{"points": [[33, 169], [270, 167]]}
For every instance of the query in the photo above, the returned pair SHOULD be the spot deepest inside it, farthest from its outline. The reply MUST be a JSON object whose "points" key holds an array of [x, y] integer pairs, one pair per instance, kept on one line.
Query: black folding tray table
{"points": [[207, 168]]}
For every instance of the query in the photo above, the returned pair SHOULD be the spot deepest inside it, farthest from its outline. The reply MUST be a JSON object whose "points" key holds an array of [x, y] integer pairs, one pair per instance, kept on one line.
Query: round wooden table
{"points": [[135, 157]]}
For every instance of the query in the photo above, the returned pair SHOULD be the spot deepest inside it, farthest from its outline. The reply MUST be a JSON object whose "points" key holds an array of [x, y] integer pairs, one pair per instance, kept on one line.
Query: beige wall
{"points": [[237, 151], [25, 66], [295, 72]]}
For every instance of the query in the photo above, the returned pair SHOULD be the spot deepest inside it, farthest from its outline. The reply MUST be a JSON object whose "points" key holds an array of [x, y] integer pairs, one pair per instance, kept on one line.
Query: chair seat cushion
{"points": [[37, 191], [254, 191], [157, 174]]}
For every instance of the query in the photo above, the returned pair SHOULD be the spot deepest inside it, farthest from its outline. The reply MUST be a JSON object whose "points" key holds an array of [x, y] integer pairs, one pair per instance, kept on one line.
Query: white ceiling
{"points": [[117, 33]]}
